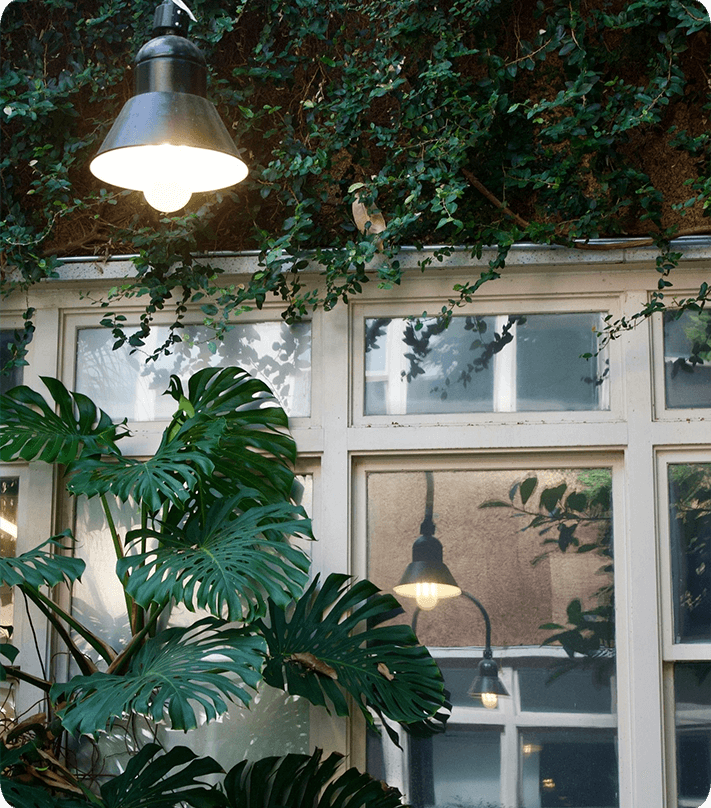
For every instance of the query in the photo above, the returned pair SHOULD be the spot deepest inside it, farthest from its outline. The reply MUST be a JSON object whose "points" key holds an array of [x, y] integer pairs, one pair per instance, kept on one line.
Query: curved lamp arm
{"points": [[487, 622]]}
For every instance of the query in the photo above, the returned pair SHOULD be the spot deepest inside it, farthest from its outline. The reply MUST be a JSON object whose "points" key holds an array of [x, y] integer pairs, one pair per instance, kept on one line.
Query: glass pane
{"points": [[9, 490], [14, 376], [124, 385], [458, 769], [690, 535], [534, 549], [687, 359], [484, 364], [692, 691], [572, 767], [580, 690]]}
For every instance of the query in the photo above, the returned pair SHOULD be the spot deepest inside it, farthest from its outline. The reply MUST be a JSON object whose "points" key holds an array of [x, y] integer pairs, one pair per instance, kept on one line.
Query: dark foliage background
{"points": [[466, 122]]}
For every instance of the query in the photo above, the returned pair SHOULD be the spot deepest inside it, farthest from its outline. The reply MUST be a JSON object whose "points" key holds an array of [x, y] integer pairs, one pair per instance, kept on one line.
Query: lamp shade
{"points": [[487, 684], [427, 578], [168, 140]]}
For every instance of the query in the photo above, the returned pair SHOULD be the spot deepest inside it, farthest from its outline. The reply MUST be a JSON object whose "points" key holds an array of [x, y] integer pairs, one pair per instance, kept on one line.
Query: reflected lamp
{"points": [[168, 140], [487, 686], [427, 578]]}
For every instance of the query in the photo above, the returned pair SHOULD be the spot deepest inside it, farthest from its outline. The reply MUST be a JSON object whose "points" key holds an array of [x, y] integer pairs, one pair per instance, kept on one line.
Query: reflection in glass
{"points": [[690, 536], [9, 491], [572, 767], [516, 363], [536, 549], [14, 375], [687, 359], [692, 692], [124, 385]]}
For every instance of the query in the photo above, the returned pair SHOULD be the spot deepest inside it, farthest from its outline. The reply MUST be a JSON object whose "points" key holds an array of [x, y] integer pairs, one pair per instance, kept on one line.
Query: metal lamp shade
{"points": [[179, 133], [427, 573], [168, 139], [487, 681]]}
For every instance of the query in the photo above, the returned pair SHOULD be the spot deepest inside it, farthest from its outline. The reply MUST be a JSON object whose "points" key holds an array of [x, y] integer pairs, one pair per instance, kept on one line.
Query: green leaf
{"points": [[528, 486], [495, 503], [171, 475], [39, 567], [331, 647], [153, 780], [550, 497], [225, 561], [30, 429], [240, 426], [577, 501], [170, 674], [302, 781]]}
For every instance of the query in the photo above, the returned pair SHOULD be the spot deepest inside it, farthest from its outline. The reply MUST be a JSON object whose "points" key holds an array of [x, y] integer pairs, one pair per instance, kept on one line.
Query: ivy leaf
{"points": [[170, 674], [528, 486]]}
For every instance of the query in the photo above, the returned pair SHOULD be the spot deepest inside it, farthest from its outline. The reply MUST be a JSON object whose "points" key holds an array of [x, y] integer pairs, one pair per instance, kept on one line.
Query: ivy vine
{"points": [[466, 122]]}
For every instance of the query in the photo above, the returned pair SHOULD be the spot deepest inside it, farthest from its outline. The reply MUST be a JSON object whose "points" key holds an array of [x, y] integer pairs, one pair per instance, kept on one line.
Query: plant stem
{"points": [[119, 665], [52, 610], [116, 539]]}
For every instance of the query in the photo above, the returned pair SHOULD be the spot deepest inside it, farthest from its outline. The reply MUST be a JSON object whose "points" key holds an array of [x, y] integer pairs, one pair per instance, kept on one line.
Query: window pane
{"points": [[484, 364], [14, 376], [535, 550], [692, 690], [690, 535], [580, 690], [687, 359], [571, 767], [466, 769], [9, 490], [124, 385]]}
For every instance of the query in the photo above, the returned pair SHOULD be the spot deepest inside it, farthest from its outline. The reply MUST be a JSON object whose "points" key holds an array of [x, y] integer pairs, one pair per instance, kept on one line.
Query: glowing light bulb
{"points": [[490, 700], [426, 596], [167, 195]]}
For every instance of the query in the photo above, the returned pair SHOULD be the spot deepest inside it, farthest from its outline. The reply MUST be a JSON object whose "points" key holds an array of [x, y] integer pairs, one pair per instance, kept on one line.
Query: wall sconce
{"points": [[428, 579], [168, 140]]}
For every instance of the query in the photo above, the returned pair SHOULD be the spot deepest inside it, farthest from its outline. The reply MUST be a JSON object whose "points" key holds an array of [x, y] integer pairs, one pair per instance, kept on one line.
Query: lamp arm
{"points": [[487, 651]]}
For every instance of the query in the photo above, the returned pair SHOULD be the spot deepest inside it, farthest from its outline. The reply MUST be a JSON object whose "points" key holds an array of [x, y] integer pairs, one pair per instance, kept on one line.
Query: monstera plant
{"points": [[213, 515]]}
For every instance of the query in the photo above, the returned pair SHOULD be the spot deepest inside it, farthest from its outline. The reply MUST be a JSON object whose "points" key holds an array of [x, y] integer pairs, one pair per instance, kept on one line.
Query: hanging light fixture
{"points": [[168, 140], [427, 578]]}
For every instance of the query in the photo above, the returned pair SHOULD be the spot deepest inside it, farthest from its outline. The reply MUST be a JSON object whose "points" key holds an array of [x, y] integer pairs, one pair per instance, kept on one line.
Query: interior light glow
{"points": [[8, 527], [490, 700], [168, 174]]}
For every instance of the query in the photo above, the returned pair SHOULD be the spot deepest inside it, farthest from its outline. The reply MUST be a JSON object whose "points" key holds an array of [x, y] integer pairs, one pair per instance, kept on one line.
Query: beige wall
{"points": [[485, 550]]}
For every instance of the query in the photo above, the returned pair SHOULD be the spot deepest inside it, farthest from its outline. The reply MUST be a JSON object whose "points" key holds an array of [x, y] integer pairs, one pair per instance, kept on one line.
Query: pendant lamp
{"points": [[427, 578], [168, 140]]}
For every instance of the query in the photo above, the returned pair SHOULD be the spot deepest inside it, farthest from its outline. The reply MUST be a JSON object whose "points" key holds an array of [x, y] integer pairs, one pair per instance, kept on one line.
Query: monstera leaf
{"points": [[30, 429], [153, 780], [222, 560], [171, 672], [40, 567], [325, 651], [251, 449], [170, 475], [300, 781]]}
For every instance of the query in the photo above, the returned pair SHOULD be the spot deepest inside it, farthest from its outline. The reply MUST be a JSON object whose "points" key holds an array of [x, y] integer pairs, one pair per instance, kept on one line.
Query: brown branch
{"points": [[641, 241]]}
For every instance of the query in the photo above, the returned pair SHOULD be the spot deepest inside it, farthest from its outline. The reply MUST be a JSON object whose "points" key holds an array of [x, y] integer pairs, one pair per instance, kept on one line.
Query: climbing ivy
{"points": [[466, 122]]}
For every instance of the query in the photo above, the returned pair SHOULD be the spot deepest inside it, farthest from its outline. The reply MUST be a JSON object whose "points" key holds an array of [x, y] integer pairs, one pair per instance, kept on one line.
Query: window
{"points": [[123, 384], [534, 548], [687, 359], [512, 363]]}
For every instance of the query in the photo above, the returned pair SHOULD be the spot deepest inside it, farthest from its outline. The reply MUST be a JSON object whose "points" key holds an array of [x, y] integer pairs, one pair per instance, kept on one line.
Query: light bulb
{"points": [[490, 700], [167, 195], [426, 596]]}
